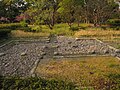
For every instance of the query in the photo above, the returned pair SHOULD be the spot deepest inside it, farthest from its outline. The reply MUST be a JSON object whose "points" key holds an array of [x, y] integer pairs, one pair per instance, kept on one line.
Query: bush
{"points": [[117, 28], [4, 32], [104, 28], [23, 24], [114, 22], [33, 84], [74, 28], [34, 29], [11, 26]]}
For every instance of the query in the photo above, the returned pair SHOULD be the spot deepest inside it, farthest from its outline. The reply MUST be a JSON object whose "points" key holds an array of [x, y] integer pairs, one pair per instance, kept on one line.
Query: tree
{"points": [[99, 11], [70, 8], [12, 8], [43, 11]]}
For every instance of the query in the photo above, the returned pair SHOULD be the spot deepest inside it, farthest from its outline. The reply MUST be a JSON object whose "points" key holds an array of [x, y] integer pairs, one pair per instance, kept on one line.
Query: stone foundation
{"points": [[19, 58]]}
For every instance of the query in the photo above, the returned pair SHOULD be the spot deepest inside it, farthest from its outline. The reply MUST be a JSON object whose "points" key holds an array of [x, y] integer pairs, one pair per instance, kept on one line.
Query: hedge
{"points": [[5, 29], [11, 26], [114, 22]]}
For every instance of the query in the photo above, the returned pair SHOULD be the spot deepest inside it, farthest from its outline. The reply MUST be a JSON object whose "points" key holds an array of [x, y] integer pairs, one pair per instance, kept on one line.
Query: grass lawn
{"points": [[100, 73]]}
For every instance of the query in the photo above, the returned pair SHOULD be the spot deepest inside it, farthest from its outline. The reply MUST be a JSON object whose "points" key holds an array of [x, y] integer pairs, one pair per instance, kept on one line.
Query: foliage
{"points": [[23, 23], [68, 9], [34, 29], [74, 28], [4, 32], [43, 11], [12, 8], [15, 83], [11, 26], [114, 22], [43, 30], [5, 29]]}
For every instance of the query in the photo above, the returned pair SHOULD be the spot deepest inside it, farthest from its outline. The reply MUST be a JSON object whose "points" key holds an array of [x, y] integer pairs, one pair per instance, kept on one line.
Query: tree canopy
{"points": [[50, 12]]}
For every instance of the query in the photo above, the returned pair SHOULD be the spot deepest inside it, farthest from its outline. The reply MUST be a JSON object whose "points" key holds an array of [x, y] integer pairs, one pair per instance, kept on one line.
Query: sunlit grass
{"points": [[19, 33], [111, 34], [85, 72]]}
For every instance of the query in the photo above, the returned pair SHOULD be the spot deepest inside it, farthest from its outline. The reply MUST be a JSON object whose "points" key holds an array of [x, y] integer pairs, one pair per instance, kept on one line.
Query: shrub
{"points": [[117, 28], [81, 27], [74, 28], [23, 24], [36, 29], [103, 27], [33, 84], [114, 22], [11, 26], [4, 32]]}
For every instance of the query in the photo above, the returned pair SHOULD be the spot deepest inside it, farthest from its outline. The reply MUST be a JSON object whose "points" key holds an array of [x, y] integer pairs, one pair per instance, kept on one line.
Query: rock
{"points": [[114, 55], [55, 41], [23, 54], [55, 46], [92, 52], [105, 51], [69, 42], [91, 72], [77, 39], [56, 53], [58, 57], [41, 57], [47, 41], [76, 46], [44, 47], [43, 53], [117, 51], [2, 54]]}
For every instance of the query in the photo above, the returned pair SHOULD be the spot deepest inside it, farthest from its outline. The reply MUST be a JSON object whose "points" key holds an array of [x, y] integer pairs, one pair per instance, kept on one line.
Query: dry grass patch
{"points": [[19, 33], [98, 33], [84, 72]]}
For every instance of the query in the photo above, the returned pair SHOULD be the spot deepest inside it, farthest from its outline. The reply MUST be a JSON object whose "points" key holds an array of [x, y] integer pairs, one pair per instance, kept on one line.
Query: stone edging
{"points": [[6, 43], [109, 47], [32, 72]]}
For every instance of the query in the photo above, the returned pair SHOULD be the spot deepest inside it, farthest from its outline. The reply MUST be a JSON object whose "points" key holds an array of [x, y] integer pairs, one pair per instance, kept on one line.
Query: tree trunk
{"points": [[70, 24]]}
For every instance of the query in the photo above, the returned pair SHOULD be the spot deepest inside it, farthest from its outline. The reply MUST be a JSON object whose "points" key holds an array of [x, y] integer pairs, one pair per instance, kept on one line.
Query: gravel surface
{"points": [[19, 59], [82, 46]]}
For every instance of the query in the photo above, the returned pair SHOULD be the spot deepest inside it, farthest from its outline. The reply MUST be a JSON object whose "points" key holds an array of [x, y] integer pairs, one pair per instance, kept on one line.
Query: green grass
{"points": [[94, 72]]}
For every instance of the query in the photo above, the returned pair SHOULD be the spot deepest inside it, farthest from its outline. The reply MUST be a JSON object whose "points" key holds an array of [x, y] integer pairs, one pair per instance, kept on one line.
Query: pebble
{"points": [[56, 53], [23, 53]]}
